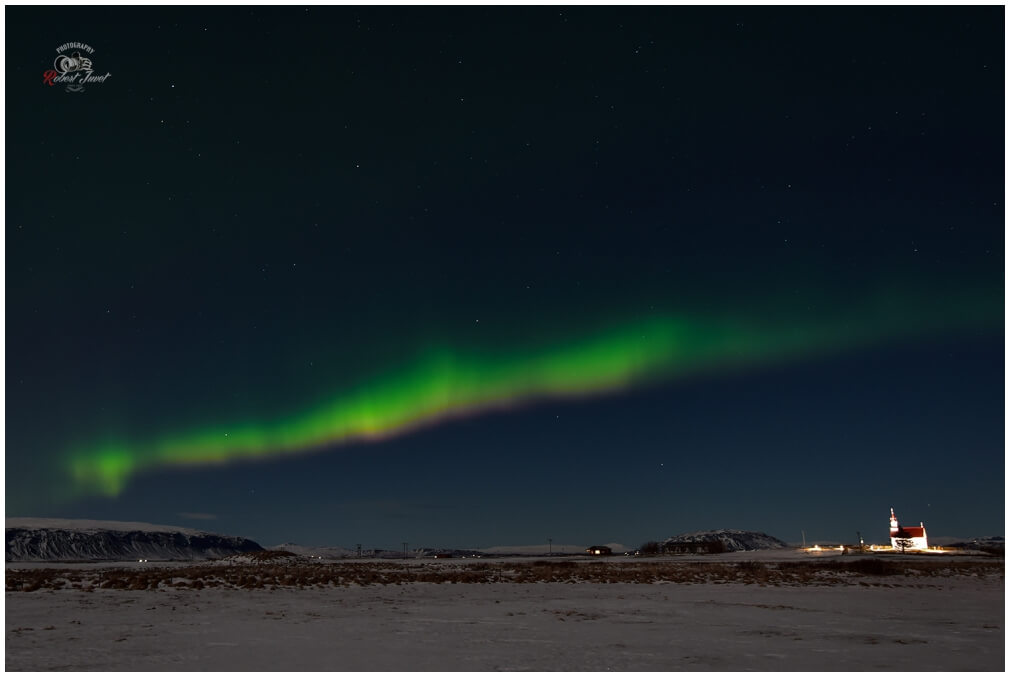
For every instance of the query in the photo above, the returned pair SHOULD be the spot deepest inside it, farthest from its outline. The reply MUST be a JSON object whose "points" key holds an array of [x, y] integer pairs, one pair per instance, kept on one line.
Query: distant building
{"points": [[599, 550], [914, 537]]}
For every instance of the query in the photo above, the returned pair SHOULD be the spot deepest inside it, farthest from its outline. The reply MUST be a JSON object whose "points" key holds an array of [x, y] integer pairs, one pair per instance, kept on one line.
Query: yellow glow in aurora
{"points": [[445, 383]]}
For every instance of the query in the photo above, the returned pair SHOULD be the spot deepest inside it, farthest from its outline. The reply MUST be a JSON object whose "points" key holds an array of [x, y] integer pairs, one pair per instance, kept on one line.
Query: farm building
{"points": [[599, 550]]}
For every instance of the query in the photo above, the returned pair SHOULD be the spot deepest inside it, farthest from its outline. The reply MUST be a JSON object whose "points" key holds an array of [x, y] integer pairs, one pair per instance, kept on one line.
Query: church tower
{"points": [[894, 525]]}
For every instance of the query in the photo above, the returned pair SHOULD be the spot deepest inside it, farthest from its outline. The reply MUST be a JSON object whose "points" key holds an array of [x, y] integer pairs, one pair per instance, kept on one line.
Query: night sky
{"points": [[466, 277]]}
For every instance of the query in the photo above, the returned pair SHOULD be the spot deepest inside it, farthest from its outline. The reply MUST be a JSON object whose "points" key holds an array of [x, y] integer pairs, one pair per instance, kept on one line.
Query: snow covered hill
{"points": [[732, 540], [37, 539]]}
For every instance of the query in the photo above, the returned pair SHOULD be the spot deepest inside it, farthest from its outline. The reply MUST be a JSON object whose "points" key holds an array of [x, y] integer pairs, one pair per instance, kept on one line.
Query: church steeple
{"points": [[894, 524]]}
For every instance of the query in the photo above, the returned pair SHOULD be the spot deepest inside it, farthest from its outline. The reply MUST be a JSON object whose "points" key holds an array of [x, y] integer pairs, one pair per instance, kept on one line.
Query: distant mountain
{"points": [[48, 540], [334, 552], [555, 548], [322, 551], [732, 540], [986, 544]]}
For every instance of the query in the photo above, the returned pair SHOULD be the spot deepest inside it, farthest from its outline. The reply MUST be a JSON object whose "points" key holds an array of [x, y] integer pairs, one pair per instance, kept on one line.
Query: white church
{"points": [[915, 537]]}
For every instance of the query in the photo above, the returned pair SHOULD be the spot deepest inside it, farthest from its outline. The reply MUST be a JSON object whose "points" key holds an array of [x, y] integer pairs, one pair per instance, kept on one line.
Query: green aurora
{"points": [[443, 382]]}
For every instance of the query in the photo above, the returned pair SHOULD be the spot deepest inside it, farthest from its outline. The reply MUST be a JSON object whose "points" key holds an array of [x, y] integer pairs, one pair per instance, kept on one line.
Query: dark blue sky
{"points": [[263, 207]]}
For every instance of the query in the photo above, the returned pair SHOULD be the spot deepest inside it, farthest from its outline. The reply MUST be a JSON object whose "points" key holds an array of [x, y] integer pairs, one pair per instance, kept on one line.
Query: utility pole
{"points": [[405, 550], [804, 538], [550, 546], [359, 551]]}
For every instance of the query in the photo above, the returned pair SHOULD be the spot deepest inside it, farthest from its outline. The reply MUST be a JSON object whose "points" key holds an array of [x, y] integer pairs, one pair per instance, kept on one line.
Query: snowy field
{"points": [[741, 615]]}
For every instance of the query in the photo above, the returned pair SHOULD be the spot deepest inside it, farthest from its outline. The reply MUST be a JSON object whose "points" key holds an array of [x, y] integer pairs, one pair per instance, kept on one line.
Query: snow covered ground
{"points": [[871, 623]]}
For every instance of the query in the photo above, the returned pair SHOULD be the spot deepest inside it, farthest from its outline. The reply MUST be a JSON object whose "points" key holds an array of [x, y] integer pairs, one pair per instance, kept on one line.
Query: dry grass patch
{"points": [[276, 572]]}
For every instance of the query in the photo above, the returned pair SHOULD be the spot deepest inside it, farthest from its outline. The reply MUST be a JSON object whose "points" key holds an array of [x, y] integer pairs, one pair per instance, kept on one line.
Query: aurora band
{"points": [[443, 382]]}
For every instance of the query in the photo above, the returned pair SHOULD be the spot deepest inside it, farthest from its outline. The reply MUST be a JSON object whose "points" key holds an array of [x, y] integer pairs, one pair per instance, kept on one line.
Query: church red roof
{"points": [[913, 532]]}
